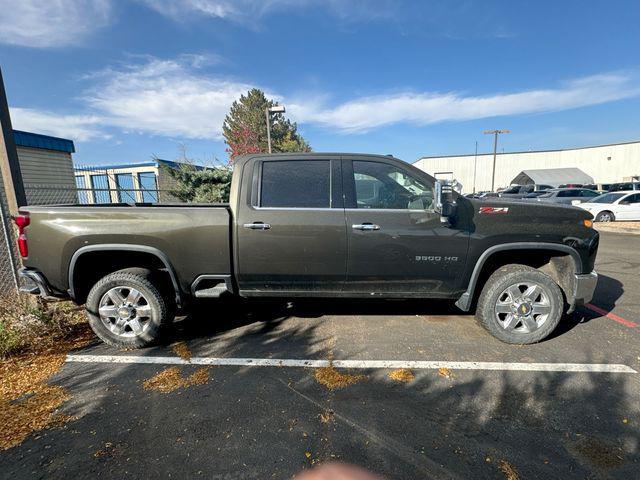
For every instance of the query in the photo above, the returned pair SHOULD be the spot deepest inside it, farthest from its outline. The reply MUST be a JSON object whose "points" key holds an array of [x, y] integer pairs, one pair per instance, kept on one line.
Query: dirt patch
{"points": [[181, 350], [333, 379], [507, 469], [402, 375], [600, 454], [171, 379], [27, 403]]}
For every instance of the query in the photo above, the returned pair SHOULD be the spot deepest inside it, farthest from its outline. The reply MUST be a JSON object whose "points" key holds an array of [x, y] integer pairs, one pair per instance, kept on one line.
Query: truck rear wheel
{"points": [[126, 308], [520, 305]]}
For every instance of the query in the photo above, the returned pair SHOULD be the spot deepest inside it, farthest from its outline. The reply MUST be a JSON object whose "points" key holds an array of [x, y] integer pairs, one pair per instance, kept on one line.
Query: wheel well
{"points": [[92, 266], [560, 266]]}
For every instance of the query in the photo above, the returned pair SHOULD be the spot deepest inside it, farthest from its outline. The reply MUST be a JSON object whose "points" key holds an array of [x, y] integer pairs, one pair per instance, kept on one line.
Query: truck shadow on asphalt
{"points": [[214, 317], [245, 423]]}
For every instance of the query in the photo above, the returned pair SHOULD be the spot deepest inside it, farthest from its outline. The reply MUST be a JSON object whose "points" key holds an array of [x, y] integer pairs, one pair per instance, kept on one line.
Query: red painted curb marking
{"points": [[611, 316]]}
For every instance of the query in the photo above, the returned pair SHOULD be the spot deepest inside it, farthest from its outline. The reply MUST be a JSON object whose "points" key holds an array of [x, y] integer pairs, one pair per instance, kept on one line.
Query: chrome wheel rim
{"points": [[523, 307], [605, 217], [125, 311]]}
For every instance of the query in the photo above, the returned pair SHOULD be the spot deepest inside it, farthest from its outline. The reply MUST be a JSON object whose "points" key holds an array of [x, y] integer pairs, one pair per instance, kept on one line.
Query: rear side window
{"points": [[588, 193], [296, 184], [568, 193]]}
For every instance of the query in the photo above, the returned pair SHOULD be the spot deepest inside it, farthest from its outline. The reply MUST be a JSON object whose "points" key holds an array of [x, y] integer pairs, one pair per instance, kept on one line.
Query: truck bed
{"points": [[193, 238]]}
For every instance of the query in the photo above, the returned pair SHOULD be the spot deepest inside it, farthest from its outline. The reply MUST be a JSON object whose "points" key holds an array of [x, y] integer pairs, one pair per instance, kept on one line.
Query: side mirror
{"points": [[444, 204]]}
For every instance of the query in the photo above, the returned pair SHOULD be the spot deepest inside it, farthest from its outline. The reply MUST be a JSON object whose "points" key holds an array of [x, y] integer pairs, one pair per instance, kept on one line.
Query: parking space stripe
{"points": [[356, 364], [611, 316]]}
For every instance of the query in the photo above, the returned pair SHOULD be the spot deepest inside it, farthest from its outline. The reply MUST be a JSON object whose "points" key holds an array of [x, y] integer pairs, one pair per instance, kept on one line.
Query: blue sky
{"points": [[130, 79]]}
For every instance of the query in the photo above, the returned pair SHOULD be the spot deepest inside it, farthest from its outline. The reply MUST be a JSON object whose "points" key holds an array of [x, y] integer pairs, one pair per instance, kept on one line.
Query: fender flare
{"points": [[125, 247], [464, 302]]}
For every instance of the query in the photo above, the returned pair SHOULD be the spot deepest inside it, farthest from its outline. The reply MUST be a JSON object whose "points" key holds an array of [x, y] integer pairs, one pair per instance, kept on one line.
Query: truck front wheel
{"points": [[520, 305], [126, 308]]}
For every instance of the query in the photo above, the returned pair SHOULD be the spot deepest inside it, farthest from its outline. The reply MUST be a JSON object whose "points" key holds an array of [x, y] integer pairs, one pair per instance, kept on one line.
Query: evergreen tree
{"points": [[245, 128]]}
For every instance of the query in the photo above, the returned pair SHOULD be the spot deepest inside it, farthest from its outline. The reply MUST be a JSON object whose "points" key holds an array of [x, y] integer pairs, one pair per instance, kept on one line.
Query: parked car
{"points": [[535, 194], [313, 225], [567, 196], [614, 206], [624, 186], [519, 191]]}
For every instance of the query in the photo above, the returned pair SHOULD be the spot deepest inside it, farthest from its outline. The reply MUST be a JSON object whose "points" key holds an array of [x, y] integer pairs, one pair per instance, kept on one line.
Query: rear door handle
{"points": [[367, 226], [257, 226]]}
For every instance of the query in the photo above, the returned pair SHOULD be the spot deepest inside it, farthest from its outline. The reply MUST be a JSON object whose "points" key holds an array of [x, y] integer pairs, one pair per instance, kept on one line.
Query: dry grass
{"points": [[332, 379], [171, 379], [510, 473], [402, 375], [27, 403]]}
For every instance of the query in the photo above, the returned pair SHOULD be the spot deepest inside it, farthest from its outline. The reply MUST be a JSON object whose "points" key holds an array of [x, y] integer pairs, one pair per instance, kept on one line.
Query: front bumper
{"points": [[585, 285], [33, 282]]}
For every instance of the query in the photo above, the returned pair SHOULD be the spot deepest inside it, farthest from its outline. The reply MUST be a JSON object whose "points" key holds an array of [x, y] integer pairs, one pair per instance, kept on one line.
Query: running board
{"points": [[211, 286]]}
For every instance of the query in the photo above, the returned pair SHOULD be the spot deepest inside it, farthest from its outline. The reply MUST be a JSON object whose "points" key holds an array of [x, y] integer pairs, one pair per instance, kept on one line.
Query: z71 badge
{"points": [[493, 210]]}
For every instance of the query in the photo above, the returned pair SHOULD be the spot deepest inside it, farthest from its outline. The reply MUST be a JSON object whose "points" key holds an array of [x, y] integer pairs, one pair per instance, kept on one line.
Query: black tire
{"points": [[517, 326], [605, 216], [156, 309]]}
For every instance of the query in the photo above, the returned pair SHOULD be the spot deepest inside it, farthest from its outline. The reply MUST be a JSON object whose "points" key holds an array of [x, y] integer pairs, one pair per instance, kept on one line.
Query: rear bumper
{"points": [[585, 285], [34, 283]]}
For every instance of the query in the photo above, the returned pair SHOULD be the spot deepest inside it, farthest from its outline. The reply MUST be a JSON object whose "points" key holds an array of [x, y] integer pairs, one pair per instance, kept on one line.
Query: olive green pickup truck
{"points": [[314, 225]]}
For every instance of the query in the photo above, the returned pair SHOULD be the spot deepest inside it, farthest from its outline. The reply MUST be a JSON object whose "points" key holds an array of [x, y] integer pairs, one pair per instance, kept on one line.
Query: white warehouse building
{"points": [[605, 163]]}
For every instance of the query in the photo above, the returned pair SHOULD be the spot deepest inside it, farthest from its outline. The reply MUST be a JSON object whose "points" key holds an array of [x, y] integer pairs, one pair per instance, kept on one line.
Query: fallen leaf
{"points": [[444, 372], [508, 470], [402, 375], [332, 379]]}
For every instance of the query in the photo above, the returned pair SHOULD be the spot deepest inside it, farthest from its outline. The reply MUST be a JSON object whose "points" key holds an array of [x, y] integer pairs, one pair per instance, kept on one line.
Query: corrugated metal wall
{"points": [[47, 175], [606, 164]]}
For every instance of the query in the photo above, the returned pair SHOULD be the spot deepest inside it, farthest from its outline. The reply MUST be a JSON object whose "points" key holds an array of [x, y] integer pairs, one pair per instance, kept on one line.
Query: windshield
{"points": [[607, 198]]}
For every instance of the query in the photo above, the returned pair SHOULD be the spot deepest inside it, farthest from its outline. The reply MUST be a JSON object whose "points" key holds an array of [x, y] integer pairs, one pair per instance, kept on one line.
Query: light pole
{"points": [[267, 113], [495, 133]]}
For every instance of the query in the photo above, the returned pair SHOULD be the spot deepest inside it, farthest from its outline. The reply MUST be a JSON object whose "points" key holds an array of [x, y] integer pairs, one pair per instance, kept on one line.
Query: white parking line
{"points": [[368, 364]]}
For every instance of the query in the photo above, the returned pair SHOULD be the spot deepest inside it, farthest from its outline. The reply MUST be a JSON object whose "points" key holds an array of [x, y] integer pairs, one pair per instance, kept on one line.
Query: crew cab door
{"points": [[290, 227], [396, 242]]}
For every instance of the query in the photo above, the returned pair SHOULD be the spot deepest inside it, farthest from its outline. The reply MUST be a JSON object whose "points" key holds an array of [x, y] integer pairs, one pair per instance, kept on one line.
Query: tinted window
{"points": [[296, 183], [633, 198], [568, 193], [607, 198], [588, 193], [380, 185], [515, 189]]}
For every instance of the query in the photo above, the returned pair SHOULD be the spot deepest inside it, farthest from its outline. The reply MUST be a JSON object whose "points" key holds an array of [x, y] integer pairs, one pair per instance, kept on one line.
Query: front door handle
{"points": [[257, 226], [366, 226]]}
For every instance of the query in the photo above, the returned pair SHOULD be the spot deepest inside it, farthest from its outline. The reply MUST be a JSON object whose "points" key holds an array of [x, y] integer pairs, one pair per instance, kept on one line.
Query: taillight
{"points": [[22, 221]]}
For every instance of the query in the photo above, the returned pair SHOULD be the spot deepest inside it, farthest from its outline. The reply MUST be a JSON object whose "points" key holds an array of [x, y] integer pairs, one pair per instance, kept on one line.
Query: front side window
{"points": [[383, 186], [608, 198], [635, 198], [296, 184], [568, 193], [588, 193]]}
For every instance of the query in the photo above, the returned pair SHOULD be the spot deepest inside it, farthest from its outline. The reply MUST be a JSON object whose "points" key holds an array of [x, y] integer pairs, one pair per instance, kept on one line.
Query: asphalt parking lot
{"points": [[470, 407]]}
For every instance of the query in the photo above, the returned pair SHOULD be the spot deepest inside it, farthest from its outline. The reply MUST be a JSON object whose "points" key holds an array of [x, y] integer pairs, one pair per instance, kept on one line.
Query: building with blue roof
{"points": [[46, 165]]}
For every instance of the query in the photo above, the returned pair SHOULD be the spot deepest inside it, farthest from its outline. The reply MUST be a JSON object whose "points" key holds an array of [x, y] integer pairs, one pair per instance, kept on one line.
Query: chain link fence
{"points": [[9, 258]]}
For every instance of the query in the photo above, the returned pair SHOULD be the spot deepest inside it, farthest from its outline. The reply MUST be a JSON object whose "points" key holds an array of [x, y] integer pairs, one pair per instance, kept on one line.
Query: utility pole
{"points": [[475, 167], [267, 113], [495, 133], [11, 174]]}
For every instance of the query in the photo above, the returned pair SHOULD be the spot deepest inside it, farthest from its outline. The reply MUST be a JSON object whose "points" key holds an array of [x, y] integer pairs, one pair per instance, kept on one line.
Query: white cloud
{"points": [[49, 23], [179, 98], [250, 10], [423, 108], [75, 127], [165, 97]]}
